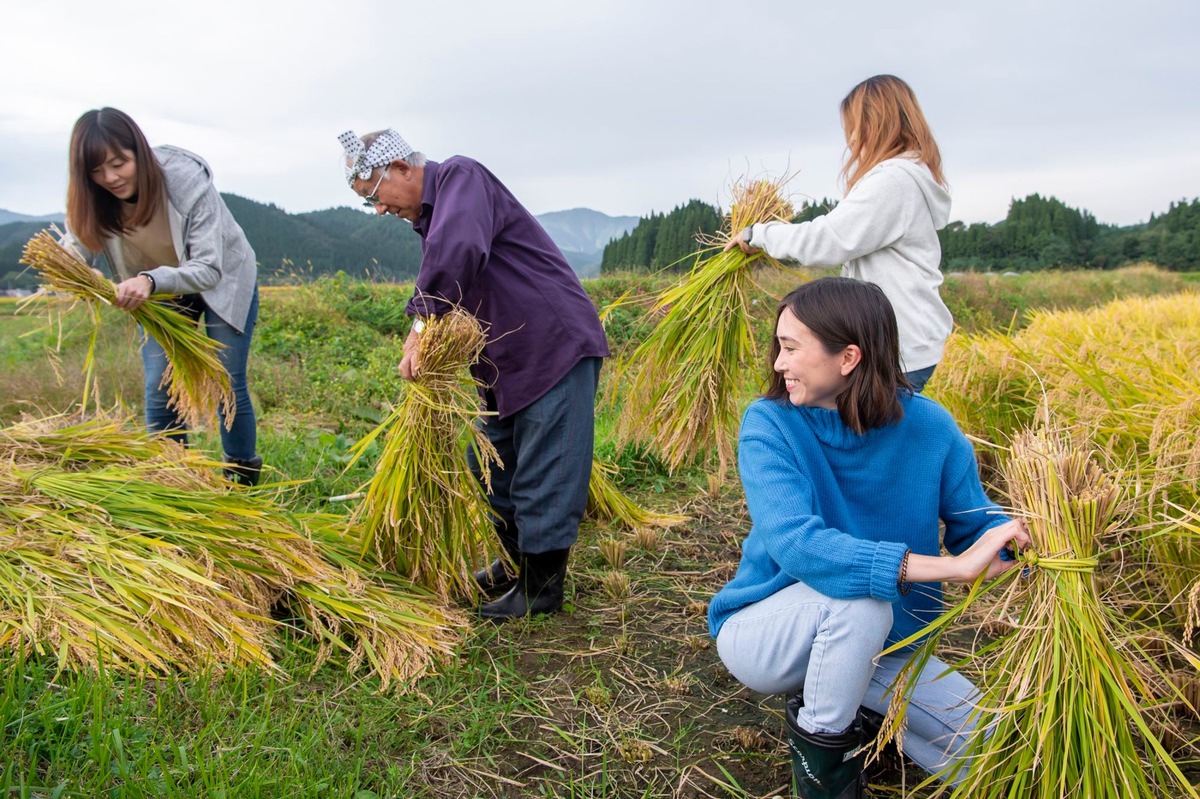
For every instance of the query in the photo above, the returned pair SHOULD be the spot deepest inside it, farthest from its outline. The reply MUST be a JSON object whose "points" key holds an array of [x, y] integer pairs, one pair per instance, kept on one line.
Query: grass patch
{"points": [[622, 695]]}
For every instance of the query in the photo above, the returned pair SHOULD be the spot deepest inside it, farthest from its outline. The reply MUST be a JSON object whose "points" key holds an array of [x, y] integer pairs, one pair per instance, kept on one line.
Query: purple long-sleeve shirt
{"points": [[484, 252]]}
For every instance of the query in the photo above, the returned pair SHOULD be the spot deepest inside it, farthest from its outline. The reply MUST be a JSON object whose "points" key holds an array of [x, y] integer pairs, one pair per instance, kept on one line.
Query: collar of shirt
{"points": [[428, 198]]}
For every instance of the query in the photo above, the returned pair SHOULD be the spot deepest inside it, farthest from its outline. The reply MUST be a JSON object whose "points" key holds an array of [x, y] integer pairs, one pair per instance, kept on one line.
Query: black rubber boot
{"points": [[539, 588], [244, 472], [826, 765], [500, 576]]}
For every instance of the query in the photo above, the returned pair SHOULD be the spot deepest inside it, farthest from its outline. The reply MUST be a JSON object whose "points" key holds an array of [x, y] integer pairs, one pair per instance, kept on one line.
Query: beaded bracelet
{"points": [[903, 584]]}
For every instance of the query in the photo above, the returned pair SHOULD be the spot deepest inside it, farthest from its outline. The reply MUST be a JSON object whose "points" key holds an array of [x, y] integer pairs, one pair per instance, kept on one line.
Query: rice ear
{"points": [[686, 379]]}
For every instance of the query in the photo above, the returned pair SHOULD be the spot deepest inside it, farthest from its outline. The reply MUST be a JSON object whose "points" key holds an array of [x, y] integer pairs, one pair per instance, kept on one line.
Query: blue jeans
{"points": [[239, 441], [917, 379], [798, 639], [546, 448]]}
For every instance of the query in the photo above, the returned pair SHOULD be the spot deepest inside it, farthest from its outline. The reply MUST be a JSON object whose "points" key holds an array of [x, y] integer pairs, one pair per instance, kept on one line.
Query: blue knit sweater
{"points": [[837, 510]]}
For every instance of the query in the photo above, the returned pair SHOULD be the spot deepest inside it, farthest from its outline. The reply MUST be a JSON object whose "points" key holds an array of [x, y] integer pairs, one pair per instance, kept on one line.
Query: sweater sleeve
{"points": [[458, 244], [781, 500], [965, 508], [874, 215]]}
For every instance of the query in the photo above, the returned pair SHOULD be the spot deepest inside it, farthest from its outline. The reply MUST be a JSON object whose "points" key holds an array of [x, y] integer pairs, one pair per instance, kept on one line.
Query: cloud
{"points": [[621, 106]]}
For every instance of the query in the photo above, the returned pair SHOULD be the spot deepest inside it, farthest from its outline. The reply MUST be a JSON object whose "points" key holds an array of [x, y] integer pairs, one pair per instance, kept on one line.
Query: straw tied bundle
{"points": [[125, 550], [607, 504], [196, 381], [687, 375], [1069, 697], [425, 516]]}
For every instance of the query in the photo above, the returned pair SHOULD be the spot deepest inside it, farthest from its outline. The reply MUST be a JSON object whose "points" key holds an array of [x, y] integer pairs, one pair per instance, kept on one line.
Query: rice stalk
{"points": [[686, 378], [1124, 377], [1066, 708], [607, 504], [197, 383], [425, 515], [127, 550]]}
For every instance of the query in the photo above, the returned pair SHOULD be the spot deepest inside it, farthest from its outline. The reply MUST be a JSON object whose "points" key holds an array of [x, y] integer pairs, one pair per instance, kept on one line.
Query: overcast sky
{"points": [[626, 107]]}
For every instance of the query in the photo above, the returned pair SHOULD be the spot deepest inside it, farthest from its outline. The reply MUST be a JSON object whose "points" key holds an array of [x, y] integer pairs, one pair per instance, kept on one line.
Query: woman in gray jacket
{"points": [[162, 226]]}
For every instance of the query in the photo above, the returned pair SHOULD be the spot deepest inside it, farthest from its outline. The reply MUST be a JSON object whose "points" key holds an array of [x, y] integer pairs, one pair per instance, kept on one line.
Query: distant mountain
{"points": [[11, 216], [302, 246], [582, 233], [322, 242], [13, 236]]}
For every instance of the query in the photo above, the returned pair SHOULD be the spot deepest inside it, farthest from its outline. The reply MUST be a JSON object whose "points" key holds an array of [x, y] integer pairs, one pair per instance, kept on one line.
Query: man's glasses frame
{"points": [[370, 201]]}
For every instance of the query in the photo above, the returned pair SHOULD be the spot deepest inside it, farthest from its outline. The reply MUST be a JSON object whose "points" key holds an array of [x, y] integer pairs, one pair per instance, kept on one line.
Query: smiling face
{"points": [[811, 375], [399, 192], [117, 173]]}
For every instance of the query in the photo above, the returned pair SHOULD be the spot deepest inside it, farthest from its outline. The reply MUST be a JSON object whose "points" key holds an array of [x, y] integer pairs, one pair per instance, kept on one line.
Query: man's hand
{"points": [[409, 364]]}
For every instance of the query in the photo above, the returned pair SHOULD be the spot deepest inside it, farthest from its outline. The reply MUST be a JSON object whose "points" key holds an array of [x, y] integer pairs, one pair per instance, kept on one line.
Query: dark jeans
{"points": [[546, 449], [241, 440], [920, 377]]}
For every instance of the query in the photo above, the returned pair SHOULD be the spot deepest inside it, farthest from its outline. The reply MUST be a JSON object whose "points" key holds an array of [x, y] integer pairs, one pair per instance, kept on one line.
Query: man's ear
{"points": [[401, 167], [851, 357]]}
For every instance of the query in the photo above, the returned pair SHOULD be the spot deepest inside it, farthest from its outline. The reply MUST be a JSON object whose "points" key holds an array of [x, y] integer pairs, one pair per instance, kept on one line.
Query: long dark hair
{"points": [[93, 213], [841, 311]]}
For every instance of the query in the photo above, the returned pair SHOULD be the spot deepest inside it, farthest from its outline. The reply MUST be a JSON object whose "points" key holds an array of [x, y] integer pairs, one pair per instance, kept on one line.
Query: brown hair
{"points": [[93, 213], [884, 112], [841, 311]]}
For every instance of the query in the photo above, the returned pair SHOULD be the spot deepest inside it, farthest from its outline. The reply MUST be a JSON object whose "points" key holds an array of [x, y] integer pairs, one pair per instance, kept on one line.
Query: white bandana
{"points": [[387, 147]]}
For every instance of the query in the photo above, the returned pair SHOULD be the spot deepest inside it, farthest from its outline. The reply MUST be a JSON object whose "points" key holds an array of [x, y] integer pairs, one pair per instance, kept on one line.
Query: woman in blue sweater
{"points": [[847, 474]]}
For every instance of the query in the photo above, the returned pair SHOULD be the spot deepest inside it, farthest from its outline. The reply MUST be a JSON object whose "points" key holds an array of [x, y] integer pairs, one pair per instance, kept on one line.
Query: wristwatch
{"points": [[746, 234]]}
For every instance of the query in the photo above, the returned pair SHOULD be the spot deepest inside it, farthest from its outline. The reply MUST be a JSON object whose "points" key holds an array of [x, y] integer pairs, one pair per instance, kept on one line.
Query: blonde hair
{"points": [[883, 113]]}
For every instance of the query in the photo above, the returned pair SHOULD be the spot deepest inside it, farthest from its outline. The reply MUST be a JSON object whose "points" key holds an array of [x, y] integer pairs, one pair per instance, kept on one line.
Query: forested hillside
{"points": [[290, 247], [1037, 233], [661, 240], [298, 247]]}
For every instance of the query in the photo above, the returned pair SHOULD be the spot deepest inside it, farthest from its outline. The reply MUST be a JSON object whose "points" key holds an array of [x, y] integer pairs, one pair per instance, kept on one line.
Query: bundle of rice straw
{"points": [[1068, 703], [686, 378], [197, 384], [607, 504], [127, 550], [425, 515]]}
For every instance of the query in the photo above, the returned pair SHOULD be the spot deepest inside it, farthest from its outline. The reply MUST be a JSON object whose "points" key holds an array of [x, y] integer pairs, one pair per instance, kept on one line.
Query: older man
{"points": [[485, 253]]}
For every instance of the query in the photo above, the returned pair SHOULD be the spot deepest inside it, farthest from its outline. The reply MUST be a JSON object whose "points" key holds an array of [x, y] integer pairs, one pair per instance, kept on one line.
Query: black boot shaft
{"points": [[244, 471], [500, 575], [539, 587]]}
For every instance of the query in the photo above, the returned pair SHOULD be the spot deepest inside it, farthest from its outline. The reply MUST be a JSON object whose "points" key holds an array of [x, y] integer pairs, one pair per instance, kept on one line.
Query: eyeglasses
{"points": [[370, 201]]}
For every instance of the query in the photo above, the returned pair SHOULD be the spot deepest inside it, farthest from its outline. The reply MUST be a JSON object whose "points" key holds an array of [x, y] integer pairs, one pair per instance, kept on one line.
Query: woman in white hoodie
{"points": [[163, 228], [885, 229]]}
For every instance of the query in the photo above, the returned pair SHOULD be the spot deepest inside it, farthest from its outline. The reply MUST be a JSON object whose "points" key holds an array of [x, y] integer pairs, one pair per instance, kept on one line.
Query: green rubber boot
{"points": [[826, 765]]}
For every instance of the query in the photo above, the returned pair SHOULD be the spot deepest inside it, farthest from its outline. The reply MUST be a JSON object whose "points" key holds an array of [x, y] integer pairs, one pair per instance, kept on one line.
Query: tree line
{"points": [[1037, 233]]}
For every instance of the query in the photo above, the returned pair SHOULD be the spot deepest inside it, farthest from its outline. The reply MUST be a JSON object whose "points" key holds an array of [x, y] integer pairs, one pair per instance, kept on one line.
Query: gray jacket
{"points": [[215, 259]]}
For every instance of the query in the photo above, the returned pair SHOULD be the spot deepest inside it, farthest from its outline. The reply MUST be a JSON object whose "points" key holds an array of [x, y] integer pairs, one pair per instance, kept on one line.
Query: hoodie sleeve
{"points": [[195, 198], [74, 245], [874, 215]]}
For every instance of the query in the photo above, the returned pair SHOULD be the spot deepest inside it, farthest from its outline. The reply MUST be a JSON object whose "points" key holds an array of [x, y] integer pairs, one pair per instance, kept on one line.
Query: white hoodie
{"points": [[885, 232]]}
